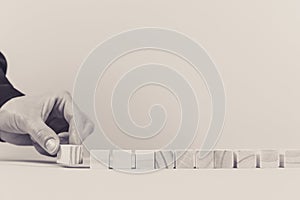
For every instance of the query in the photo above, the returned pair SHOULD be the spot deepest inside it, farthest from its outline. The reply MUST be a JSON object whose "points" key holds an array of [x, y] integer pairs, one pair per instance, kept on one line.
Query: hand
{"points": [[43, 121]]}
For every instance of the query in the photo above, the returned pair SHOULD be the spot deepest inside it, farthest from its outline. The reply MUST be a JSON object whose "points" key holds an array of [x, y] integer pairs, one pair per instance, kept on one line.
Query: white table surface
{"points": [[22, 180], [35, 177]]}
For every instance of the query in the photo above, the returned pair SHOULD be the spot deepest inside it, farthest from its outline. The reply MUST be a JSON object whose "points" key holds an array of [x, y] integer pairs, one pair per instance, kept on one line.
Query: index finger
{"points": [[79, 128]]}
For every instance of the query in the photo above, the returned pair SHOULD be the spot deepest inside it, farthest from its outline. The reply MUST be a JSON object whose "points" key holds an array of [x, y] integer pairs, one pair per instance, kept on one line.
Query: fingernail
{"points": [[51, 145]]}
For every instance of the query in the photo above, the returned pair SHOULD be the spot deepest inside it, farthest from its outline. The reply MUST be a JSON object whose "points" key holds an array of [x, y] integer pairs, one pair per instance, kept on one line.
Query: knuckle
{"points": [[31, 124], [22, 121]]}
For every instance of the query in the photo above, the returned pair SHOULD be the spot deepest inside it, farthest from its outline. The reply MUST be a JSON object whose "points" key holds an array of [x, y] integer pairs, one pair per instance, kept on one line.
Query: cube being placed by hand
{"points": [[70, 155]]}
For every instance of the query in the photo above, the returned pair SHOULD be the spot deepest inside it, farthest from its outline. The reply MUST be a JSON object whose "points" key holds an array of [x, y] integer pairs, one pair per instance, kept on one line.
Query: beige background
{"points": [[255, 45]]}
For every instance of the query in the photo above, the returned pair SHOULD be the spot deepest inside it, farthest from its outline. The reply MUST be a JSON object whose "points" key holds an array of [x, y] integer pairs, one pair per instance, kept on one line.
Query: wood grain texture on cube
{"points": [[164, 159], [185, 159], [70, 155], [245, 159], [122, 159], [268, 159], [292, 159], [144, 159], [99, 159], [223, 159], [204, 159]]}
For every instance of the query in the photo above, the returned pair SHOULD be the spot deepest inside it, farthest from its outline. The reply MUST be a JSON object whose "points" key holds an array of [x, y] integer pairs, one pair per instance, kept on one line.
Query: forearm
{"points": [[7, 91]]}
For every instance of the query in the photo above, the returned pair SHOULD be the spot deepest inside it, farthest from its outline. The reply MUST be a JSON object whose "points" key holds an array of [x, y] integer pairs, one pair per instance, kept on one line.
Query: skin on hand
{"points": [[43, 121]]}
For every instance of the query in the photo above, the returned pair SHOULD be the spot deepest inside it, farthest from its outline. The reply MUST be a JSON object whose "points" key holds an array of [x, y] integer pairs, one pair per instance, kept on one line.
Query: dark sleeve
{"points": [[7, 91]]}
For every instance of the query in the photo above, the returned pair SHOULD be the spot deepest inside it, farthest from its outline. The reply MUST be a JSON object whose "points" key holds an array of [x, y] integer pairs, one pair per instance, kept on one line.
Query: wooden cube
{"points": [[99, 159], [164, 159], [70, 155], [223, 159], [292, 159], [245, 159], [144, 159], [185, 159], [268, 159], [122, 159], [204, 159]]}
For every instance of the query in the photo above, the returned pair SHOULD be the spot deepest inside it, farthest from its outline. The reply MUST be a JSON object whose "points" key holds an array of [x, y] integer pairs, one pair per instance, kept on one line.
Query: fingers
{"points": [[63, 137], [74, 137], [16, 138], [80, 128], [39, 149], [44, 136], [11, 122], [88, 129]]}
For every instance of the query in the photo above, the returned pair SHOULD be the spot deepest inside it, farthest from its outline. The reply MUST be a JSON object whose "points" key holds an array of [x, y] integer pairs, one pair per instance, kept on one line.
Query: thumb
{"points": [[44, 136]]}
